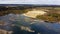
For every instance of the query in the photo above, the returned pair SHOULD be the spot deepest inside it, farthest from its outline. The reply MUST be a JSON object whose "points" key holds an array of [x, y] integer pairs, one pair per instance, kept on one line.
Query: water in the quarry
{"points": [[21, 24]]}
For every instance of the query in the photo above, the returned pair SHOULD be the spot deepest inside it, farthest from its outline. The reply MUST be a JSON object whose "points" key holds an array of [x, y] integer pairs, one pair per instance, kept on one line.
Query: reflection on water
{"points": [[21, 24]]}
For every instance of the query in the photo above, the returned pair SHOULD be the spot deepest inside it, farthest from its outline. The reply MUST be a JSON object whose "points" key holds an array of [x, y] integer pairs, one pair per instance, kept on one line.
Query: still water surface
{"points": [[21, 24]]}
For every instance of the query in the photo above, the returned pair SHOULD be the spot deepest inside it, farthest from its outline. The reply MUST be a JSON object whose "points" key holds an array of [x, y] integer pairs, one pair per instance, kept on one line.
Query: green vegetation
{"points": [[14, 10], [54, 17]]}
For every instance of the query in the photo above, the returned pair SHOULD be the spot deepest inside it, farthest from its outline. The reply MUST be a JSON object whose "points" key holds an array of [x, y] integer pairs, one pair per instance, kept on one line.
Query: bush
{"points": [[54, 17]]}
